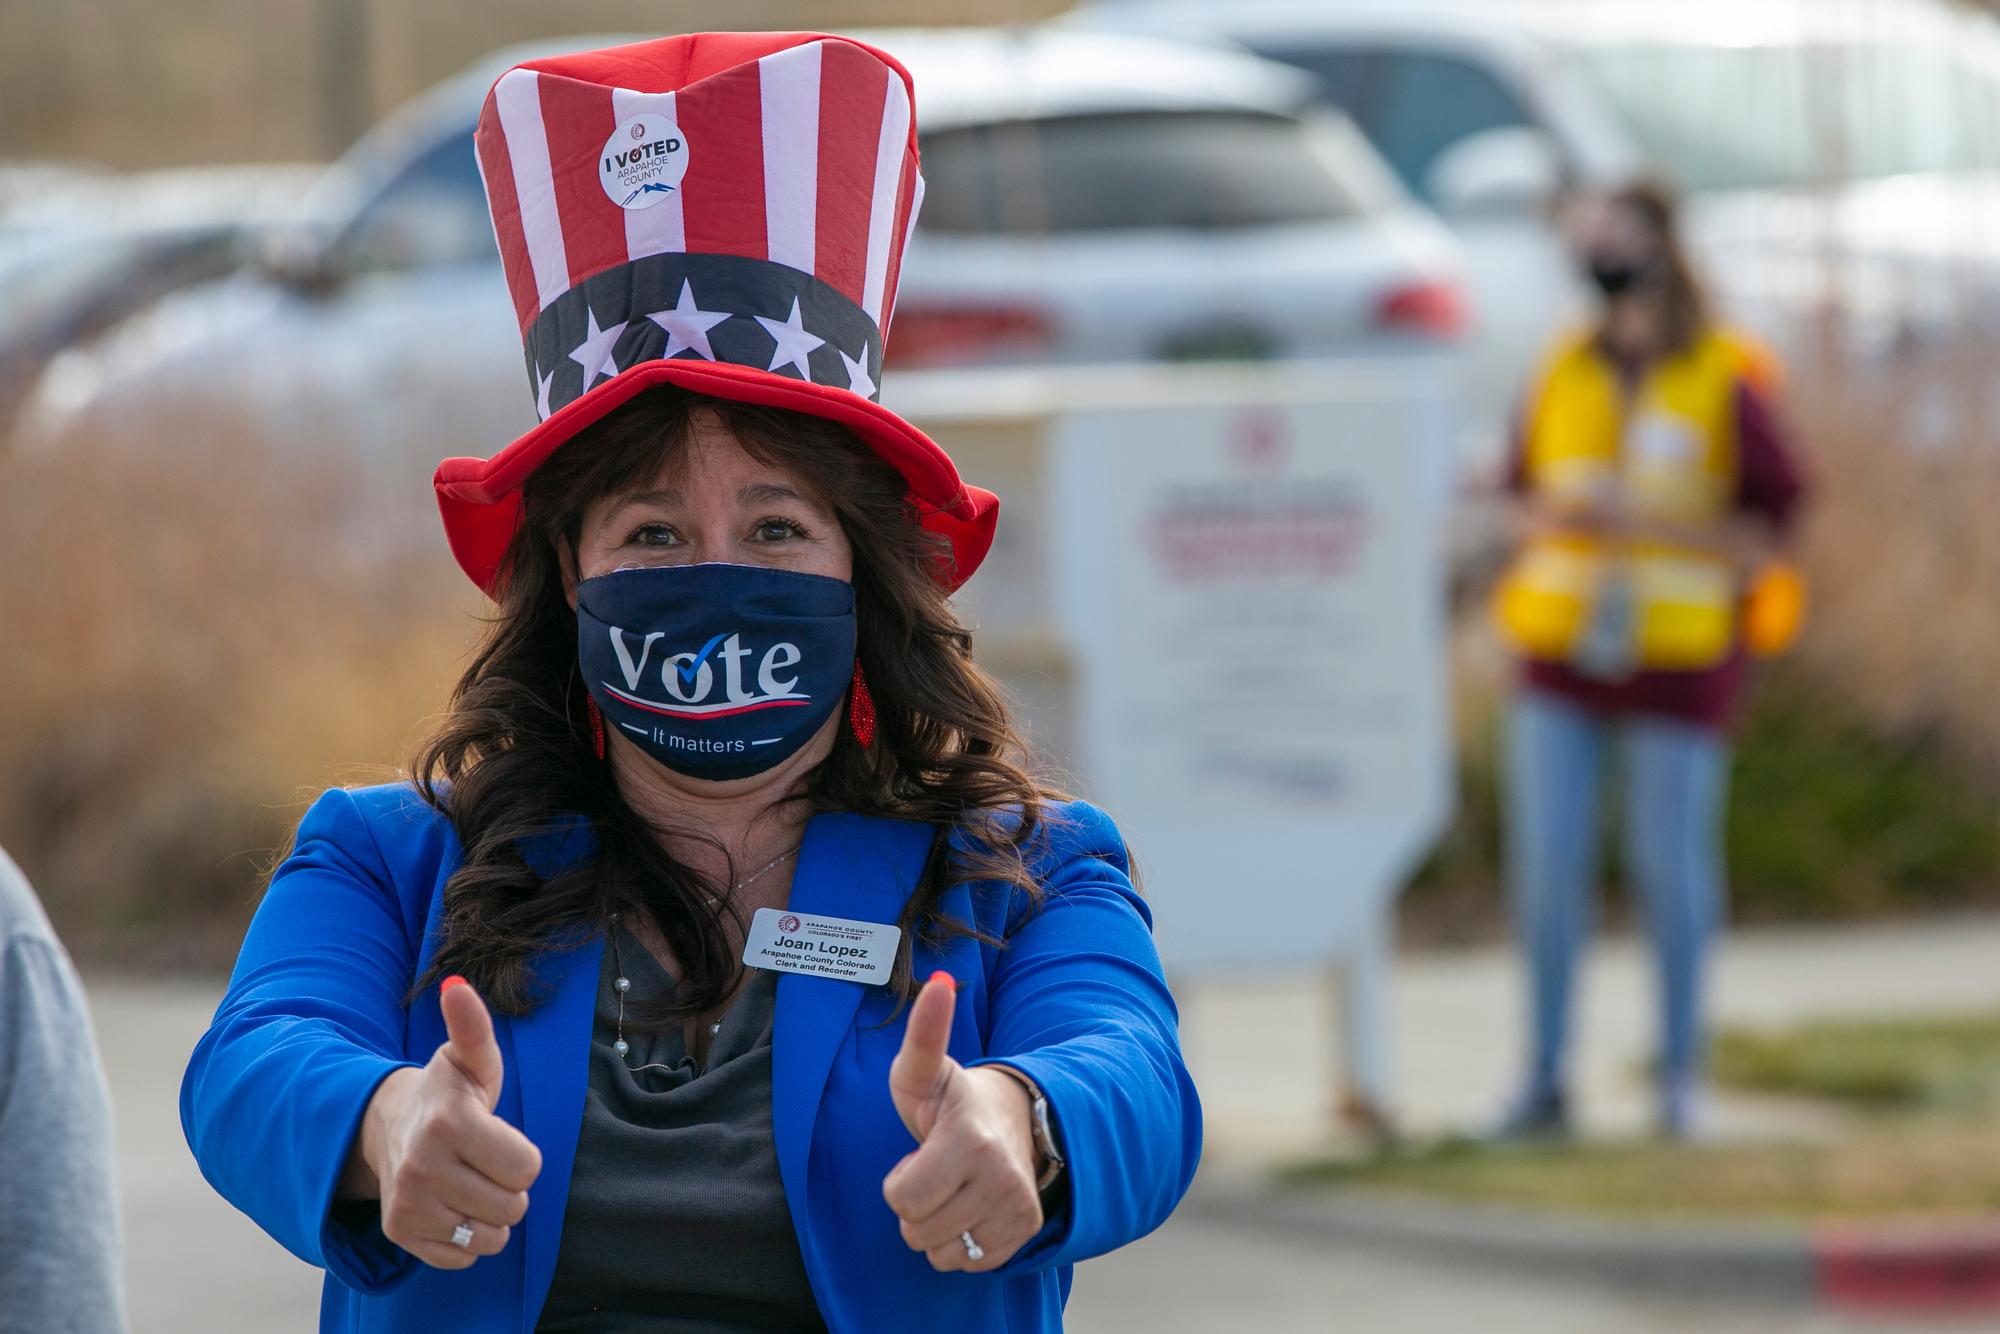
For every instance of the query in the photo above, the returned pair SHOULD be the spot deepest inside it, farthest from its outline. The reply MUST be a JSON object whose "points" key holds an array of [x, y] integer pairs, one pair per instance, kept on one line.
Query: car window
{"points": [[1911, 109], [1205, 170], [432, 212], [1722, 118], [1714, 118], [1412, 105]]}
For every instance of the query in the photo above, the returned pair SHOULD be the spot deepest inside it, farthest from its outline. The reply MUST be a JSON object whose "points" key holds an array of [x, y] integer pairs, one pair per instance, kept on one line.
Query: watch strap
{"points": [[1042, 1128]]}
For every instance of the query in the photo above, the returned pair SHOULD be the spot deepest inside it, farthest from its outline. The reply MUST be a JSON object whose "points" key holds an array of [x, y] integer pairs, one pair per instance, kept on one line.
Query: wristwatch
{"points": [[1043, 1130]]}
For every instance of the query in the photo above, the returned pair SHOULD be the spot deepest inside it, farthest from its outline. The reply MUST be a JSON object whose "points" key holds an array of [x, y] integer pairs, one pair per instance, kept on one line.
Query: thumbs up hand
{"points": [[433, 1152], [974, 1168]]}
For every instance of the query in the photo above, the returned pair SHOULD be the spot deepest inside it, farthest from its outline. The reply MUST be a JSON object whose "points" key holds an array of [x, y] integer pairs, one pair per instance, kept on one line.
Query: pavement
{"points": [[1199, 1274], [1263, 1054]]}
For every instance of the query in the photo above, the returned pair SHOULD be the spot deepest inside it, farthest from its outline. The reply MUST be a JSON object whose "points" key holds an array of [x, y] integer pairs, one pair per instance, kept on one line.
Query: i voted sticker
{"points": [[840, 947], [643, 161]]}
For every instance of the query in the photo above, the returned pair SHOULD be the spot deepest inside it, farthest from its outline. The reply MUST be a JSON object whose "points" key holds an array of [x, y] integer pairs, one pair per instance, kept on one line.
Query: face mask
{"points": [[716, 671], [1616, 277]]}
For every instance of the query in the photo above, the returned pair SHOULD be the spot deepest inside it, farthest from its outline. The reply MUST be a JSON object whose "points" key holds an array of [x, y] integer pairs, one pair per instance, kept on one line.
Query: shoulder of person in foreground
{"points": [[395, 815], [319, 986], [60, 1242], [1066, 829], [1078, 1002]]}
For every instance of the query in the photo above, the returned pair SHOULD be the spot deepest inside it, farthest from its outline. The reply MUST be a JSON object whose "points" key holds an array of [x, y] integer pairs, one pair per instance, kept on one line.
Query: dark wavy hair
{"points": [[513, 757]]}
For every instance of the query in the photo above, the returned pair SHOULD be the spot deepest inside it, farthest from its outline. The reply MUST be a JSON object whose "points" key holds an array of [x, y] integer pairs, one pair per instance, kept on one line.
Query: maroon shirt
{"points": [[1769, 483]]}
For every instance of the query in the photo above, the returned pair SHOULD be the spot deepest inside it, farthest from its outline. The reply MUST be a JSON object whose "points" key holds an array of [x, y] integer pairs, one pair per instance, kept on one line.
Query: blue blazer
{"points": [[314, 1019]]}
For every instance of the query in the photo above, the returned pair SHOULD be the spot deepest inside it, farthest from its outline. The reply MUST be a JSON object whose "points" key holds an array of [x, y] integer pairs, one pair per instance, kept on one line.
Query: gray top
{"points": [[676, 1221], [60, 1250]]}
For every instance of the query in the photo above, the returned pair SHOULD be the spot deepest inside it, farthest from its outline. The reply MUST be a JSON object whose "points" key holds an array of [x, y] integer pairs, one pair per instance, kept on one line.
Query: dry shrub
{"points": [[1901, 544], [196, 642]]}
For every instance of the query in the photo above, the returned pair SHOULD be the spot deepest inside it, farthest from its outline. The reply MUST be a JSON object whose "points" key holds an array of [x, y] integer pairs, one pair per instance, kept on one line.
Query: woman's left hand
{"points": [[974, 1167]]}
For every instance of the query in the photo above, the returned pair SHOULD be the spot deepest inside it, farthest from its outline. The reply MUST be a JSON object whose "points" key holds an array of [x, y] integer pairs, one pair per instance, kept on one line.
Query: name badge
{"points": [[840, 947]]}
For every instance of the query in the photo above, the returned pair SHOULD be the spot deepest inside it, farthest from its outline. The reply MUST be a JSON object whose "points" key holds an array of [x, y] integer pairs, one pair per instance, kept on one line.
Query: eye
{"points": [[775, 529], [652, 535]]}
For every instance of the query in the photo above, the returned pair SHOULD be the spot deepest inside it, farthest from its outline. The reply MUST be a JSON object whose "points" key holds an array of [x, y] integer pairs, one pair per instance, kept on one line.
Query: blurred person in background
{"points": [[61, 1251], [1655, 488], [724, 711]]}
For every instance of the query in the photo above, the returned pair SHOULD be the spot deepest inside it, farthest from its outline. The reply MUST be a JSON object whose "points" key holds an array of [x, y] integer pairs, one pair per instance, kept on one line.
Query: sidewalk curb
{"points": [[1927, 1268], [1931, 1268]]}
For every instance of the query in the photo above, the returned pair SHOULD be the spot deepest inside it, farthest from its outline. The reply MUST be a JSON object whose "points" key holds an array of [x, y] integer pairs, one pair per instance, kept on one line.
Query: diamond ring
{"points": [[973, 1250], [461, 1236]]}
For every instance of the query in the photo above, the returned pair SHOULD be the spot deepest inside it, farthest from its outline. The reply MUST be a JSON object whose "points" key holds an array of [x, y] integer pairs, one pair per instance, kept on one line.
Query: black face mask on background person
{"points": [[717, 671], [1616, 277]]}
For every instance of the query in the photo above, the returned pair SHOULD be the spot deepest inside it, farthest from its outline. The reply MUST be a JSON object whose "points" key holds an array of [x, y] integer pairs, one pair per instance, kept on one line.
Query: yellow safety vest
{"points": [[1674, 450]]}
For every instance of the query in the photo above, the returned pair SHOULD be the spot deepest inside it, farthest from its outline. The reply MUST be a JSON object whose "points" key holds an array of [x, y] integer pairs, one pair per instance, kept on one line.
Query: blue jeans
{"points": [[1676, 780]]}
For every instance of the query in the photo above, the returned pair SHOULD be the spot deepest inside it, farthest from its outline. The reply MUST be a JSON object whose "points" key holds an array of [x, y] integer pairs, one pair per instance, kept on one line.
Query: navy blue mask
{"points": [[716, 671]]}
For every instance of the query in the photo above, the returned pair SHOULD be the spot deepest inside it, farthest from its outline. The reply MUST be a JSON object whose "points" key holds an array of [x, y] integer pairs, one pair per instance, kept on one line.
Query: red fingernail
{"points": [[453, 981], [941, 973]]}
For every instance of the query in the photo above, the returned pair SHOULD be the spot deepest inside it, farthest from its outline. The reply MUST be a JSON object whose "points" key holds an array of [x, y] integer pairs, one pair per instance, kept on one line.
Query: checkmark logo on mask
{"points": [[693, 669]]}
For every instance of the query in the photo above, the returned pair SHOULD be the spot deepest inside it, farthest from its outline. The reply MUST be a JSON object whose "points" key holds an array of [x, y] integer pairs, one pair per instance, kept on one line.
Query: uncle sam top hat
{"points": [[722, 211]]}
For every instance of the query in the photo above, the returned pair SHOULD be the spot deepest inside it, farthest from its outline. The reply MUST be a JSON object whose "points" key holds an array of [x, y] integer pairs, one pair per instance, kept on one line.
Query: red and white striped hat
{"points": [[722, 211]]}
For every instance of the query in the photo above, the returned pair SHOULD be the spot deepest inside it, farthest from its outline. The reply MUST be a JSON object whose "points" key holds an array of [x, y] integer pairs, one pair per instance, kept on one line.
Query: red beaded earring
{"points": [[596, 726], [861, 710]]}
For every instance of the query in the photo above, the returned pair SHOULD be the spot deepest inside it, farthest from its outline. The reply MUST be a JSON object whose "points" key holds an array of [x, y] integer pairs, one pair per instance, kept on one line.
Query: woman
{"points": [[1655, 484], [488, 1055]]}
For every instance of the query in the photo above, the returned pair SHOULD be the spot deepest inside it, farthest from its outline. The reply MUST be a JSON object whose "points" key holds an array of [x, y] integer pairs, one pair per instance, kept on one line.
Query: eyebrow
{"points": [[754, 494], [763, 492], [649, 498]]}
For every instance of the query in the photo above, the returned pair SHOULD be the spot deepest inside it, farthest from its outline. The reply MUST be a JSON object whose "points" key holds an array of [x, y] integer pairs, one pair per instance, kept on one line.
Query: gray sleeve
{"points": [[61, 1254]]}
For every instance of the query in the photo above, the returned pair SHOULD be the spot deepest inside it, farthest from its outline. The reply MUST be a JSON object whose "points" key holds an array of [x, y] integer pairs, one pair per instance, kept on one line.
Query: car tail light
{"points": [[1435, 309], [939, 335]]}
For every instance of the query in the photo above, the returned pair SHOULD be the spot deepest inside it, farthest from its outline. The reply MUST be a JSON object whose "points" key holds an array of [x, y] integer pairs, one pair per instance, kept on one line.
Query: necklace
{"points": [[622, 984]]}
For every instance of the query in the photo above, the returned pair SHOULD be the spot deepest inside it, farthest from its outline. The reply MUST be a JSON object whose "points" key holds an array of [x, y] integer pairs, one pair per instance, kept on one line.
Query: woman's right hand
{"points": [[433, 1152]]}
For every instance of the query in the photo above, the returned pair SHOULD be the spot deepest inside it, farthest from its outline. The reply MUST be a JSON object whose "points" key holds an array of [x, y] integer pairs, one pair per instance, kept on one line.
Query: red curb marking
{"points": [[1931, 1269]]}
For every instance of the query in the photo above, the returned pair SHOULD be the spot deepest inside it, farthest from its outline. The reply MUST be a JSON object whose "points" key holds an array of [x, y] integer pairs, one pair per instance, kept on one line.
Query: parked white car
{"points": [[1843, 151], [1090, 198], [1096, 199], [81, 252]]}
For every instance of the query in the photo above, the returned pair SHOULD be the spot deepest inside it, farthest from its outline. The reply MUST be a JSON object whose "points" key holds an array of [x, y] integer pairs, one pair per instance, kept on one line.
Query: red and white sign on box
{"points": [[1253, 594]]}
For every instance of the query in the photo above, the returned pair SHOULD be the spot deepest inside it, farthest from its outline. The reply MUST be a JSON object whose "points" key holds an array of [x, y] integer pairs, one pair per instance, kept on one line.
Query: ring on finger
{"points": [[973, 1250], [461, 1236]]}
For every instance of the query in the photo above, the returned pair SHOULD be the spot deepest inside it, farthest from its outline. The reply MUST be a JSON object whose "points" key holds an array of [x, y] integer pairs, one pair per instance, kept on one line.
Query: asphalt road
{"points": [[1196, 1276], [195, 1264]]}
